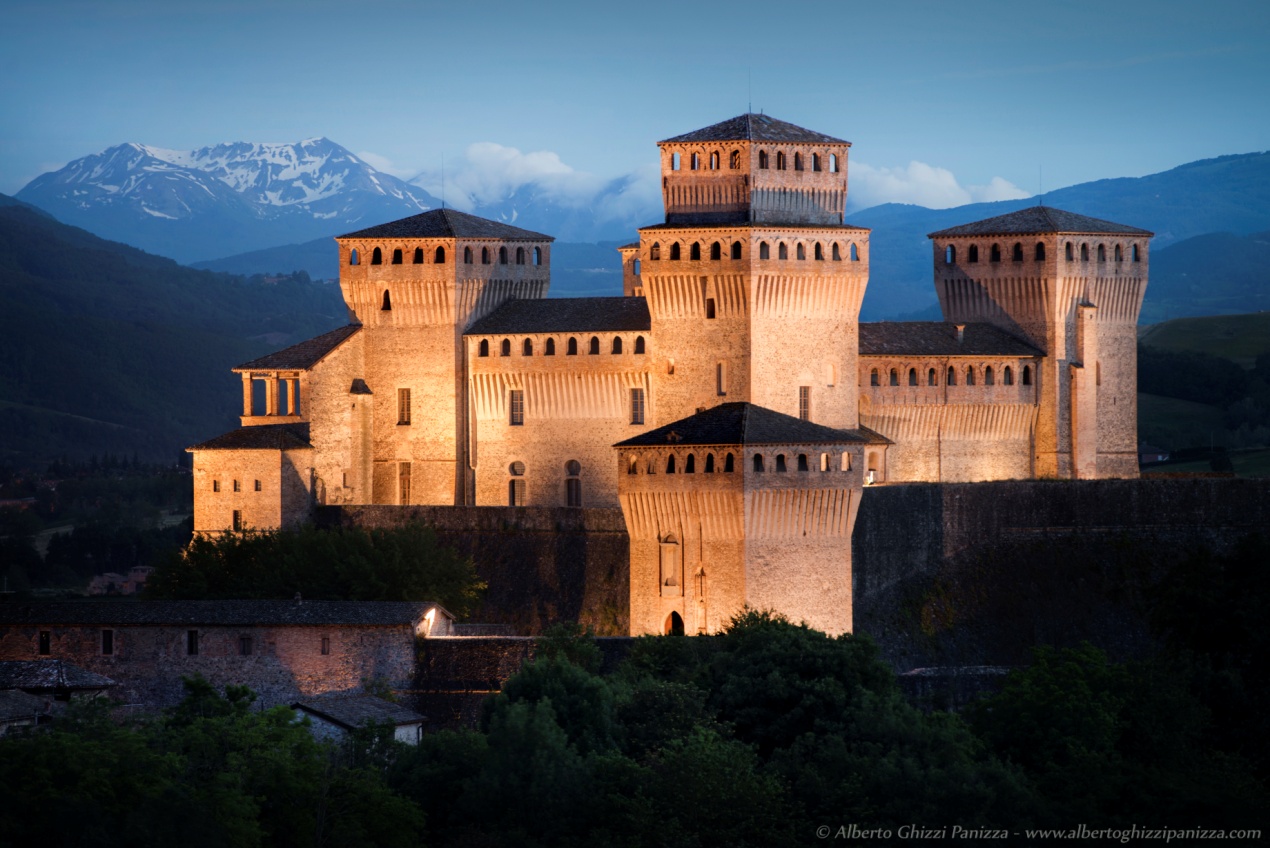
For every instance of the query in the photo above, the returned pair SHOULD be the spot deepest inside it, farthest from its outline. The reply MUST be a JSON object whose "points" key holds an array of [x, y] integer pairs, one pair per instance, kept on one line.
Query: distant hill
{"points": [[1213, 274], [105, 348], [1239, 338]]}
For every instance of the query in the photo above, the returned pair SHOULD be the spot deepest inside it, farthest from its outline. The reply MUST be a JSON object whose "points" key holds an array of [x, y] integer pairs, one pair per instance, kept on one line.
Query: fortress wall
{"points": [[975, 574]]}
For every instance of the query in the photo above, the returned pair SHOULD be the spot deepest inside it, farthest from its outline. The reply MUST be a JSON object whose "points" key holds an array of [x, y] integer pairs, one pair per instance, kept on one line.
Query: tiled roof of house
{"points": [[16, 704], [747, 424], [48, 674], [260, 437], [448, 223], [353, 711], [216, 613], [939, 338], [304, 355], [1037, 220], [566, 315], [752, 127]]}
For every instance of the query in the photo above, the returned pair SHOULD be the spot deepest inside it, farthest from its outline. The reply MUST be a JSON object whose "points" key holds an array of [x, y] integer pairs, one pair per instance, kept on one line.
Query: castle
{"points": [[730, 402]]}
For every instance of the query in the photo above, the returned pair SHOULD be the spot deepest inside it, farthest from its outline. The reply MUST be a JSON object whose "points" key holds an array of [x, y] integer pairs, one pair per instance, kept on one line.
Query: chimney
{"points": [[961, 333]]}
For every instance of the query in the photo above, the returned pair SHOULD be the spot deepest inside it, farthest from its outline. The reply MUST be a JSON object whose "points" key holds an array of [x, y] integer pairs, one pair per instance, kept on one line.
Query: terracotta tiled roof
{"points": [[304, 355], [939, 338], [353, 711], [216, 613], [447, 223], [1038, 220], [746, 424], [48, 674], [261, 437], [566, 315], [752, 127]]}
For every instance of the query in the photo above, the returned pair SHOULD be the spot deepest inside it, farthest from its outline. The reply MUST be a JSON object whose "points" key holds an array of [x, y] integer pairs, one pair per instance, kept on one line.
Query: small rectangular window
{"points": [[191, 643], [403, 406], [804, 402], [238, 520], [516, 492], [710, 307], [107, 642], [403, 482], [721, 378], [516, 401], [215, 485], [258, 488], [244, 646], [637, 406], [326, 646], [46, 643], [237, 486], [573, 492]]}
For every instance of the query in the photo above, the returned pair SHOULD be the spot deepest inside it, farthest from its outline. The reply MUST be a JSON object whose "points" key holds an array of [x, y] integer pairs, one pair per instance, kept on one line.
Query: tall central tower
{"points": [[753, 282]]}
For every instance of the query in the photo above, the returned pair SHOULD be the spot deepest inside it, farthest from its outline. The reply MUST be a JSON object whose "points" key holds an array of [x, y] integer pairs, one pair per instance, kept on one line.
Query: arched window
{"points": [[845, 462], [950, 255], [995, 254], [505, 348], [396, 256], [572, 348], [652, 465], [895, 377], [674, 250], [690, 465], [714, 161], [912, 376], [780, 160], [549, 349], [674, 625], [1007, 376], [632, 465], [782, 252], [800, 251], [527, 348], [758, 462], [418, 257], [762, 159], [670, 464], [987, 376], [695, 162], [516, 469], [716, 251], [780, 462], [764, 252], [970, 375], [798, 161], [1102, 253], [1017, 253], [694, 252], [1069, 252], [819, 251], [709, 469], [1040, 251], [1027, 375], [520, 256], [516, 485], [736, 250], [815, 161], [654, 252], [855, 253], [674, 161], [727, 463], [573, 483], [484, 347], [438, 256], [387, 306], [952, 376], [802, 462], [972, 254], [1119, 254], [617, 344], [636, 267], [1084, 252], [537, 255], [502, 256], [354, 258], [1137, 257], [824, 462], [484, 255], [734, 161], [837, 254], [874, 379], [932, 379], [377, 257], [467, 256], [833, 163], [639, 344], [593, 349]]}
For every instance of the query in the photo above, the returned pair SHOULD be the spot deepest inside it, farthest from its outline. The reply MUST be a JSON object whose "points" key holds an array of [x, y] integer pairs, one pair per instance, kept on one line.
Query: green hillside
{"points": [[106, 348], [1240, 338]]}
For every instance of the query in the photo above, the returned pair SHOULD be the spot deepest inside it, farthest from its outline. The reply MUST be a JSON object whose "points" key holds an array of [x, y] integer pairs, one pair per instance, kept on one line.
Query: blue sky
{"points": [[944, 102]]}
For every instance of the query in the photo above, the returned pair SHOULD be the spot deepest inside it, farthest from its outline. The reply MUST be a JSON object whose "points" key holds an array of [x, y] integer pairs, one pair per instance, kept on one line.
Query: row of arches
{"points": [[571, 346], [522, 256], [971, 375], [836, 251], [713, 161], [1017, 252], [517, 496], [675, 463]]}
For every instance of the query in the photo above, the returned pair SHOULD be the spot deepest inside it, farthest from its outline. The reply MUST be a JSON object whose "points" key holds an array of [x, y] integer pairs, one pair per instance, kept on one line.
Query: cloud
{"points": [[489, 173], [385, 165], [922, 184]]}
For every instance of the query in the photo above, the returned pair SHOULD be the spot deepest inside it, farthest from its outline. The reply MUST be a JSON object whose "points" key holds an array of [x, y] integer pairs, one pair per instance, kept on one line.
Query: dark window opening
{"points": [[654, 252], [728, 465], [1071, 254], [780, 462], [502, 256], [970, 376], [952, 376], [244, 646], [873, 378], [780, 161], [782, 251], [1027, 375], [1040, 251], [377, 257], [716, 251], [520, 256], [191, 643], [467, 256], [988, 378], [674, 250], [46, 643], [1017, 254], [439, 256], [912, 376], [107, 642], [594, 347], [527, 348], [820, 251], [617, 344], [758, 462], [801, 252], [484, 349], [326, 646], [690, 464], [837, 254], [736, 250], [505, 348], [549, 349], [695, 251], [516, 493], [537, 255], [709, 469], [972, 255], [762, 159], [387, 304], [895, 377], [639, 344], [802, 462], [709, 307], [855, 253], [418, 257], [798, 161], [396, 256], [815, 161], [931, 378], [484, 255], [1007, 376], [995, 254], [572, 348], [763, 251]]}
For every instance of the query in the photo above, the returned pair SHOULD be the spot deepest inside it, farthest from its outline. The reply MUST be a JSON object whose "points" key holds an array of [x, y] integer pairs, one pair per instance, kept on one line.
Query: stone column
{"points": [[247, 411], [271, 395]]}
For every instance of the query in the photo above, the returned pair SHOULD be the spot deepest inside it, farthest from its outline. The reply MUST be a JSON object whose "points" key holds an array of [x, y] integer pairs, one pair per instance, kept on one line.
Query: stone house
{"points": [[335, 716]]}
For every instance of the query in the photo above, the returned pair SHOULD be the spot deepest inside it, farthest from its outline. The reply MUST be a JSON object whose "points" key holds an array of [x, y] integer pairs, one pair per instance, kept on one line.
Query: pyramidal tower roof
{"points": [[1037, 220], [756, 127], [447, 223]]}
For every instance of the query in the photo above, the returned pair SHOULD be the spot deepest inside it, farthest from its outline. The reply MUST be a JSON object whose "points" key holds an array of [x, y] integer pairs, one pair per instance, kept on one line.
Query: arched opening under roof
{"points": [[377, 257], [418, 256], [396, 256]]}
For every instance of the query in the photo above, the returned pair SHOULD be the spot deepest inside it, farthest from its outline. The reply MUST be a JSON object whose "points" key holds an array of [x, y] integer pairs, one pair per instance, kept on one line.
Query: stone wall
{"points": [[976, 574]]}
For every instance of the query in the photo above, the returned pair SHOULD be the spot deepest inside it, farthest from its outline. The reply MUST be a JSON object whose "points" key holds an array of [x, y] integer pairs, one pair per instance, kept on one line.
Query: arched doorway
{"points": [[674, 625]]}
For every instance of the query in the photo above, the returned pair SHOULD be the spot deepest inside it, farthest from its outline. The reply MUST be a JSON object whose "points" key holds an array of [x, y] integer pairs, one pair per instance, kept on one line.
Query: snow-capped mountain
{"points": [[224, 199]]}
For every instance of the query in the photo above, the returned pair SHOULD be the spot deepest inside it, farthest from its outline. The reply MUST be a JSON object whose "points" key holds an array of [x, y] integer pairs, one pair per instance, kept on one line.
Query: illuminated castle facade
{"points": [[730, 402]]}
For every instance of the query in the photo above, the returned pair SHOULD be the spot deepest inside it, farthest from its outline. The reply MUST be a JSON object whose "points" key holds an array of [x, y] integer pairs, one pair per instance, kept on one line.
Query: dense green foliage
{"points": [[344, 563]]}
